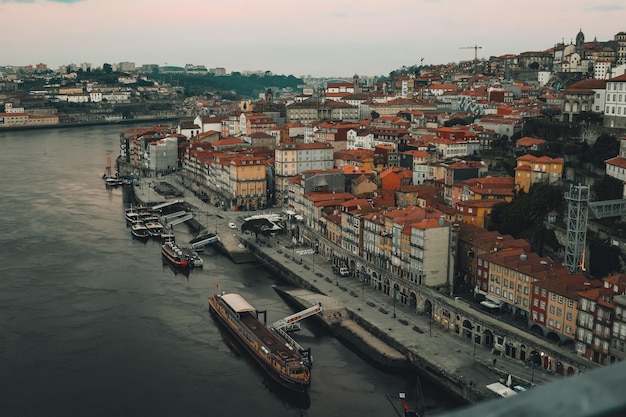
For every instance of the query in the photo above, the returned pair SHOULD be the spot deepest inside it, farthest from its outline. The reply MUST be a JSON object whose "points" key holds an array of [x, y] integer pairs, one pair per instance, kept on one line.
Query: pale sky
{"points": [[294, 37]]}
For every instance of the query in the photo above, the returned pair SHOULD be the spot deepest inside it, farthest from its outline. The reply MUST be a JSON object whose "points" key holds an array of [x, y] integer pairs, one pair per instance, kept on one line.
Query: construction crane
{"points": [[475, 48]]}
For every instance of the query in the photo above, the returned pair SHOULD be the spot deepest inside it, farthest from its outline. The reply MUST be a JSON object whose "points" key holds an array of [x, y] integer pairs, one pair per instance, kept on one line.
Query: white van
{"points": [[344, 272]]}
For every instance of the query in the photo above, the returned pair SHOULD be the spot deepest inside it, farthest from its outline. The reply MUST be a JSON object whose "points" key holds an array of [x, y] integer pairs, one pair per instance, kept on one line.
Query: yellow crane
{"points": [[475, 48]]}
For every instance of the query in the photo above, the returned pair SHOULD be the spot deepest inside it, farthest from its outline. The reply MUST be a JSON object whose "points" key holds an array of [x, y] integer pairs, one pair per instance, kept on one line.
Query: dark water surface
{"points": [[93, 324]]}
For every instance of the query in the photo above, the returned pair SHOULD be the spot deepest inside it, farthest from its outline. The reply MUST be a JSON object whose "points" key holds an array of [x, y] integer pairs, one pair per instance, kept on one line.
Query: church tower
{"points": [[580, 44]]}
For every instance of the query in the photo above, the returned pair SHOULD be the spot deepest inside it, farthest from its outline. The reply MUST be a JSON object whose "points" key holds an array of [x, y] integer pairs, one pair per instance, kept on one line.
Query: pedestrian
{"points": [[494, 361]]}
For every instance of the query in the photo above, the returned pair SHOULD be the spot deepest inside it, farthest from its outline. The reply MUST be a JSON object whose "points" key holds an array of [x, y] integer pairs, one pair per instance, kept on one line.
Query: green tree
{"points": [[605, 259], [607, 188]]}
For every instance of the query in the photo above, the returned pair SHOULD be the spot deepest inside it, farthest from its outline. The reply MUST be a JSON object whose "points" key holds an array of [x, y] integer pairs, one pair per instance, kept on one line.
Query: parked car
{"points": [[232, 225]]}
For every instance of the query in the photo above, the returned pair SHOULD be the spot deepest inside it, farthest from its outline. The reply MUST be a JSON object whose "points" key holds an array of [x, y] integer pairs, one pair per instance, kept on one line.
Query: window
{"points": [[551, 309], [544, 292], [537, 290], [559, 312], [568, 329], [552, 296], [570, 303], [568, 316], [542, 305], [550, 322], [560, 299]]}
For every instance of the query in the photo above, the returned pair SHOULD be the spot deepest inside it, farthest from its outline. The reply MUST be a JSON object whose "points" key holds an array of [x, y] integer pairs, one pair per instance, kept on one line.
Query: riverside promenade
{"points": [[392, 335]]}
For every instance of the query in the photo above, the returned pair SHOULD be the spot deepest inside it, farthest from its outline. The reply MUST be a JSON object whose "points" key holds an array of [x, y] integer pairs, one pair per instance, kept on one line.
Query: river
{"points": [[93, 324]]}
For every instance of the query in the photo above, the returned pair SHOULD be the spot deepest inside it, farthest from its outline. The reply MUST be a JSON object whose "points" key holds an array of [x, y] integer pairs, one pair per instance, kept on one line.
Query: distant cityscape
{"points": [[404, 172]]}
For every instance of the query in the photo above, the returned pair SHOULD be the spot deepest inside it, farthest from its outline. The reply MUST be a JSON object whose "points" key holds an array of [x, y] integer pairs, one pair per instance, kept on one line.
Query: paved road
{"points": [[448, 351]]}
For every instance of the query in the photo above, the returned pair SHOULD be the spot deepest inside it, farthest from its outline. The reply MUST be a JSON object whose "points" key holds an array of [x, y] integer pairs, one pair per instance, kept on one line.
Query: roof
{"points": [[237, 303]]}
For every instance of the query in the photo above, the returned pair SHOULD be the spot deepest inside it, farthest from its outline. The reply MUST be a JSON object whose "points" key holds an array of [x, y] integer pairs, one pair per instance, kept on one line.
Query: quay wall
{"points": [[362, 345]]}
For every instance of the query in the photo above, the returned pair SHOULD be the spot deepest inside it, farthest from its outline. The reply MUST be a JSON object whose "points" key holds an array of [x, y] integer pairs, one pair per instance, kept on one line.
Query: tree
{"points": [[605, 259], [523, 216], [607, 188], [107, 68]]}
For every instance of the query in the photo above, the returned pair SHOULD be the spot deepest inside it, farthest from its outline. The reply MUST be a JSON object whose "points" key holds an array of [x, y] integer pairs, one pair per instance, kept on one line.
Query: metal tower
{"points": [[577, 214], [579, 210]]}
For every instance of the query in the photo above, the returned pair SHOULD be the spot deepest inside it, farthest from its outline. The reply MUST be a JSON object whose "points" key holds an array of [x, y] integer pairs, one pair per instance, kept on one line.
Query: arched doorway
{"points": [[386, 286], [467, 329], [412, 300], [570, 371], [428, 308], [488, 339], [559, 368]]}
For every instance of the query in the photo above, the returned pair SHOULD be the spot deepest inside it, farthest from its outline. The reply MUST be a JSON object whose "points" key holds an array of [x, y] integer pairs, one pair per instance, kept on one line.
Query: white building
{"points": [[615, 105]]}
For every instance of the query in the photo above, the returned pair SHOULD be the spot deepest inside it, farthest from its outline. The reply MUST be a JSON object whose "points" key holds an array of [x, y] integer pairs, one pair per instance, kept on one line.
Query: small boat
{"points": [[174, 254], [282, 361], [132, 217], [155, 228], [111, 181], [195, 259], [139, 231]]}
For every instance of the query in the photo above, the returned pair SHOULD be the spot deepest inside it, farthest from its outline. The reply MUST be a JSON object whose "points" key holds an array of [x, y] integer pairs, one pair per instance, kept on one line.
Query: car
{"points": [[232, 225]]}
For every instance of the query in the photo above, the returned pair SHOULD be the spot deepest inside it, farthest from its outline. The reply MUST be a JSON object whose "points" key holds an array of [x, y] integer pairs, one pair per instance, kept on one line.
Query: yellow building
{"points": [[532, 169], [248, 182]]}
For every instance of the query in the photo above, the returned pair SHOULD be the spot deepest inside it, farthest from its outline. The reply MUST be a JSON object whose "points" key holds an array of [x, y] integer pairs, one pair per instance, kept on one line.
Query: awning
{"points": [[489, 304], [501, 389]]}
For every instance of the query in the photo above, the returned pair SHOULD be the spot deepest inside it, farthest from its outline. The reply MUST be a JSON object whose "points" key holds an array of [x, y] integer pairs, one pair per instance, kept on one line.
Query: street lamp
{"points": [[395, 294], [430, 322]]}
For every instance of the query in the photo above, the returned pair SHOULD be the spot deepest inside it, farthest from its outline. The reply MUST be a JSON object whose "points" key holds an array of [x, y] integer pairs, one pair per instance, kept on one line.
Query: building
{"points": [[533, 169], [615, 106], [292, 159]]}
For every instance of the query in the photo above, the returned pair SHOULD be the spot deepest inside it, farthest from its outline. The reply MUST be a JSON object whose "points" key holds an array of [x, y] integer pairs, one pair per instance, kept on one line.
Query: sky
{"points": [[320, 38]]}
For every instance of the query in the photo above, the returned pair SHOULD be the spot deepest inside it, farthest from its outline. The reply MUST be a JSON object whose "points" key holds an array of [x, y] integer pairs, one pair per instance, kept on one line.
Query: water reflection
{"points": [[291, 398]]}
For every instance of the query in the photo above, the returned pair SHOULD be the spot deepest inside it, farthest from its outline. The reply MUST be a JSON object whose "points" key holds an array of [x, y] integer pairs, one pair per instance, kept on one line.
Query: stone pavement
{"points": [[450, 353]]}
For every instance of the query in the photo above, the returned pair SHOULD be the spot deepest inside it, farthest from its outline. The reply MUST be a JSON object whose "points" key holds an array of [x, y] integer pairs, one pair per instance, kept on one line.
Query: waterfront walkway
{"points": [[450, 354]]}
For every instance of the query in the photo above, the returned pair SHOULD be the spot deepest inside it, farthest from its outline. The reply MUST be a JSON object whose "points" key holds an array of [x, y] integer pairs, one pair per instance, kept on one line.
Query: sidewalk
{"points": [[452, 354]]}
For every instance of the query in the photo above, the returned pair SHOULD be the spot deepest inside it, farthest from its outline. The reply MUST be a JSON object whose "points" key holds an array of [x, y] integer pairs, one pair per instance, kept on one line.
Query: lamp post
{"points": [[430, 322], [474, 341], [395, 292]]}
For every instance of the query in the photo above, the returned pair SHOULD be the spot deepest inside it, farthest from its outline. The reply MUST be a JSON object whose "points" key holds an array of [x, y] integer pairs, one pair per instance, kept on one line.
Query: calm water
{"points": [[93, 324]]}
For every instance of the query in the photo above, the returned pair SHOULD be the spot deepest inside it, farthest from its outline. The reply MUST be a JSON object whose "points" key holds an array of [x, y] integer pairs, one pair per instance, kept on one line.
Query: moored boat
{"points": [[282, 361], [139, 231], [155, 228], [194, 259], [174, 254]]}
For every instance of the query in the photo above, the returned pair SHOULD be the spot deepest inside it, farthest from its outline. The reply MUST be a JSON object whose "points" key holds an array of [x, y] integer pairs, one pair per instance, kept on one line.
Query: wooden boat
{"points": [[281, 360]]}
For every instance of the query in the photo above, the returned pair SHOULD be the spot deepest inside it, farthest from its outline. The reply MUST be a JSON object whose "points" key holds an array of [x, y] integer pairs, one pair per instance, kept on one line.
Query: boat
{"points": [[283, 362], [194, 259], [111, 181], [167, 235], [155, 228], [174, 254], [139, 231]]}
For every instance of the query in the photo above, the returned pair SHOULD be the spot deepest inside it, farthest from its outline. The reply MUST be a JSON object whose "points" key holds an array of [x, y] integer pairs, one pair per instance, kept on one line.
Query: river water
{"points": [[93, 324]]}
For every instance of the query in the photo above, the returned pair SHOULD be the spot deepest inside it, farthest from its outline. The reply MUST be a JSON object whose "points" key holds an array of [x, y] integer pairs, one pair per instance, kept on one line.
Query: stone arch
{"points": [[522, 352], [559, 368], [428, 308], [413, 300], [567, 107], [570, 371], [488, 338], [575, 107], [536, 329], [386, 286], [553, 337], [468, 329], [352, 265]]}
